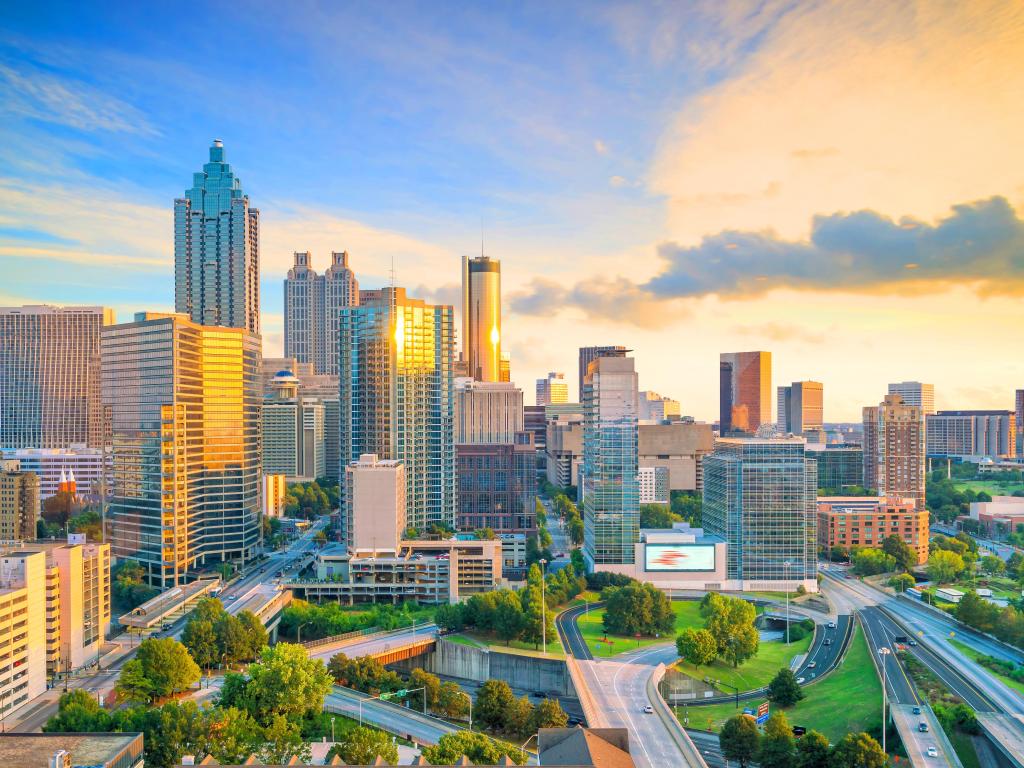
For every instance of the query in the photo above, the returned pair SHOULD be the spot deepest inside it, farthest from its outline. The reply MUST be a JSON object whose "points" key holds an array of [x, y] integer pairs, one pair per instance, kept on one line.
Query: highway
{"points": [[393, 718]]}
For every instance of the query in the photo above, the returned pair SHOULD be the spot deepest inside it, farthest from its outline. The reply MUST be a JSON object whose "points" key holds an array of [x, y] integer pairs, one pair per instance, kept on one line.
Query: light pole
{"points": [[543, 605], [884, 653], [332, 728], [470, 700], [298, 632], [786, 565]]}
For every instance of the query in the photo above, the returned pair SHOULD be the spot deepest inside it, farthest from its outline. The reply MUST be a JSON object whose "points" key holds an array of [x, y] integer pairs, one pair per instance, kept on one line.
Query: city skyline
{"points": [[592, 217]]}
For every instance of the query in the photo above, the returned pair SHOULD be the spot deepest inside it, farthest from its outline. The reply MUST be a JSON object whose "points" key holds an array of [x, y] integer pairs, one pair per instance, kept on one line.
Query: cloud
{"points": [[979, 243], [780, 332], [600, 147]]}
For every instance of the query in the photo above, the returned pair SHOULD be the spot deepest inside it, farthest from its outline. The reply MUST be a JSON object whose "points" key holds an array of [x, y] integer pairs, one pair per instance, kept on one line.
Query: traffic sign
{"points": [[762, 713]]}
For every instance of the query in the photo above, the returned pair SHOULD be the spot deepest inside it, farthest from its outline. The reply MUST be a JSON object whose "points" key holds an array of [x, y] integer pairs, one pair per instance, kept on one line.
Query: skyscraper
{"points": [[487, 412], [19, 502], [553, 389], [184, 402], [992, 434], [293, 431], [800, 407], [894, 449], [589, 354], [311, 306], [745, 391], [1019, 408], [217, 249], [481, 318], [611, 495], [50, 376], [915, 393], [397, 395], [760, 496]]}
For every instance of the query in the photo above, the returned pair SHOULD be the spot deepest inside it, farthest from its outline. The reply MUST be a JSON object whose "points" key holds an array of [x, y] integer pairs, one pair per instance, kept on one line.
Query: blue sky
{"points": [[596, 145]]}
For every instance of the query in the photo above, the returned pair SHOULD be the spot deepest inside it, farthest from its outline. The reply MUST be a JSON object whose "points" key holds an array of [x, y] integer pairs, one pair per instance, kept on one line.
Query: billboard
{"points": [[679, 557]]}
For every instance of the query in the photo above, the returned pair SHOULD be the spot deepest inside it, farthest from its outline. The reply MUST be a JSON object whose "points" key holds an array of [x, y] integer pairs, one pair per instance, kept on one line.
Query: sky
{"points": [[841, 184]]}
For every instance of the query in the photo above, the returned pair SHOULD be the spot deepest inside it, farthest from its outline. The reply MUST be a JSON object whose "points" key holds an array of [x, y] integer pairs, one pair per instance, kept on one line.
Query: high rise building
{"points": [[654, 408], [397, 395], [487, 411], [760, 496], [217, 249], [992, 434], [839, 466], [801, 407], [374, 507], [894, 449], [293, 431], [915, 393], [611, 496], [589, 354], [50, 376], [311, 306], [184, 401], [563, 450], [745, 391], [481, 318], [680, 447], [553, 389], [1019, 408], [19, 502], [497, 486]]}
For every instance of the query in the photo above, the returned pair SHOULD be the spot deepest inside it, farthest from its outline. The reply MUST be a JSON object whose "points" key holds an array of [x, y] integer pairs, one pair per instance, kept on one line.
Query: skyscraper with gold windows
{"points": [[396, 360], [481, 319], [184, 404]]}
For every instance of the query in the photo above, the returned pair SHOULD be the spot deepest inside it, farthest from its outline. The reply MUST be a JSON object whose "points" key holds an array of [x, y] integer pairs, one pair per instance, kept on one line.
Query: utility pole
{"points": [[543, 605], [884, 653]]}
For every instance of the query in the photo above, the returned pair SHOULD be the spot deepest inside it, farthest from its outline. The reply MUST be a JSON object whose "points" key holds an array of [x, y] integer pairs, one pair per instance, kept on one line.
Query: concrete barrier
{"points": [[591, 712], [691, 754], [482, 664]]}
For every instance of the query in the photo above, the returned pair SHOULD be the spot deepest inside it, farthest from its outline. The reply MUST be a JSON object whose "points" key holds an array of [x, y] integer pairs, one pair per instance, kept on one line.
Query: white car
{"points": [[801, 680], [648, 710], [933, 752], [831, 625]]}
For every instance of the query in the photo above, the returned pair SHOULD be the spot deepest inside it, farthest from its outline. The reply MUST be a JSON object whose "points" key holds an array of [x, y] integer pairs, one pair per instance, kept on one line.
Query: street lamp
{"points": [[543, 605], [298, 632], [884, 653], [332, 728], [470, 700], [786, 564]]}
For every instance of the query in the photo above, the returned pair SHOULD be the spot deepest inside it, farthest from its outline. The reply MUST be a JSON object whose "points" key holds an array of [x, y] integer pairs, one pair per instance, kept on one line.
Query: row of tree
{"points": [[213, 636], [327, 619], [682, 507], [570, 514], [741, 741], [311, 500]]}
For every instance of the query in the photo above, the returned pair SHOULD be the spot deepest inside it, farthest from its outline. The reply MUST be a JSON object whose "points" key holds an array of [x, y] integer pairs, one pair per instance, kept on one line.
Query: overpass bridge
{"points": [[1006, 732], [168, 606], [266, 602]]}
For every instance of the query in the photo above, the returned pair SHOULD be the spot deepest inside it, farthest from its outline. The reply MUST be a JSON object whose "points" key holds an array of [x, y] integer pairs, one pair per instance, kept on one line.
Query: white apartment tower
{"points": [[311, 306]]}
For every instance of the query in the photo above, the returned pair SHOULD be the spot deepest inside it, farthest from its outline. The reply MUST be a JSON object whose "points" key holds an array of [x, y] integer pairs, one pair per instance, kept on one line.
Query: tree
{"points": [[838, 552], [858, 750], [230, 735], [901, 582], [362, 746], [493, 701], [739, 739], [201, 641], [78, 712], [287, 682], [637, 608], [169, 731], [776, 748], [133, 685], [478, 748], [870, 562], [256, 636], [812, 751], [509, 621], [992, 565], [900, 551], [164, 664], [730, 621], [431, 685], [449, 616], [87, 522], [548, 714], [232, 640], [283, 741], [129, 589], [657, 516], [539, 622], [944, 566], [697, 646], [452, 702], [576, 531], [485, 534], [784, 690], [518, 717], [59, 508]]}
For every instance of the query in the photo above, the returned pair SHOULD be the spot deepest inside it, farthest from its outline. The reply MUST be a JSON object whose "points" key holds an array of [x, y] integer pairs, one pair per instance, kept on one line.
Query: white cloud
{"points": [[600, 147]]}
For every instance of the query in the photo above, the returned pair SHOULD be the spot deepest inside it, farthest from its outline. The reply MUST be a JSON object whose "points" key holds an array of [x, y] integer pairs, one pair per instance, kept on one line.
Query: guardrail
{"points": [[689, 750], [310, 644]]}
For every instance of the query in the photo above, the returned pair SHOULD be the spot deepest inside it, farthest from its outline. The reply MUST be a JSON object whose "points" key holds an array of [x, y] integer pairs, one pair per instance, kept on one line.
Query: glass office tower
{"points": [[745, 391], [217, 249], [611, 493], [396, 395], [481, 318], [184, 406], [760, 496]]}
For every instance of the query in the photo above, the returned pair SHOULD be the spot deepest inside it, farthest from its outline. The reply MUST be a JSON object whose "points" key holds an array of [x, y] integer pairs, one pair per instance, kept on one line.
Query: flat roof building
{"points": [[867, 521]]}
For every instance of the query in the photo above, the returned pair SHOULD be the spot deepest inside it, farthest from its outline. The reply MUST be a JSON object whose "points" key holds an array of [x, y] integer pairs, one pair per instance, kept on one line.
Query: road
{"points": [[559, 537], [393, 718], [354, 648]]}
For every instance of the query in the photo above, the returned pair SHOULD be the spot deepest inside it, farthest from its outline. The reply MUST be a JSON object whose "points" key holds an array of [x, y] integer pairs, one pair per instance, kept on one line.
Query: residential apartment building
{"points": [[274, 489], [991, 434], [19, 502], [679, 447], [801, 407], [293, 432], [487, 411], [184, 401], [745, 392], [217, 249], [611, 497], [653, 485], [23, 628], [553, 389], [894, 449], [839, 466], [915, 393], [760, 498], [373, 514], [497, 486], [50, 376], [1019, 412], [481, 319], [397, 395], [859, 521], [311, 306]]}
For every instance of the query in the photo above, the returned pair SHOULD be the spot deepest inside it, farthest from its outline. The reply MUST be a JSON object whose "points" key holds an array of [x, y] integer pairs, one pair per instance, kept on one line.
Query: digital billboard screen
{"points": [[679, 557]]}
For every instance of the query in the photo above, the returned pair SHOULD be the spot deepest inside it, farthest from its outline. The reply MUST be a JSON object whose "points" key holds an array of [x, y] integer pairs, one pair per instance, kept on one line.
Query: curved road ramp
{"points": [[690, 752]]}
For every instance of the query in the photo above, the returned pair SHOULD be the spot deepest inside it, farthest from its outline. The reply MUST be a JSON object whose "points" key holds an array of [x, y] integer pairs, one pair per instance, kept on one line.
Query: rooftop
{"points": [[32, 750]]}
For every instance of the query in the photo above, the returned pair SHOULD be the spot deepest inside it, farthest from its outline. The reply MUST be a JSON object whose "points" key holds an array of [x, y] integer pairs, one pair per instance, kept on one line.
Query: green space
{"points": [[754, 673], [976, 657], [521, 647], [591, 626], [991, 487], [963, 745], [848, 700], [1000, 586]]}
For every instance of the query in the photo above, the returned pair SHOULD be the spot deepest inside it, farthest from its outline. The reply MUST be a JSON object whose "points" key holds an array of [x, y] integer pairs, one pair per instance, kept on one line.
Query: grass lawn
{"points": [[478, 640], [756, 672], [988, 486], [1000, 586], [592, 628], [973, 655], [848, 700]]}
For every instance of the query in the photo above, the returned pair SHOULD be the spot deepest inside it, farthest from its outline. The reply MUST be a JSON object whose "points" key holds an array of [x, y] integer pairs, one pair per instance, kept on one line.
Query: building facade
{"points": [[19, 502], [866, 521], [487, 412], [745, 391], [1019, 410], [915, 393], [611, 496], [497, 486], [839, 466], [894, 449], [50, 464], [760, 498], [563, 450], [553, 389], [185, 415], [653, 485], [801, 407], [50, 376], [589, 354], [679, 447], [991, 434], [373, 514], [293, 432], [217, 249], [655, 409], [311, 306], [396, 396], [481, 318]]}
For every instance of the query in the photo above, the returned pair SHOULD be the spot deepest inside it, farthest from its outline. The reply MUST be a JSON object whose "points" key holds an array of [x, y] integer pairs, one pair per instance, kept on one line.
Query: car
{"points": [[912, 642], [648, 710], [933, 752], [540, 694], [831, 625], [828, 641], [917, 710], [922, 727], [812, 665], [801, 680]]}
